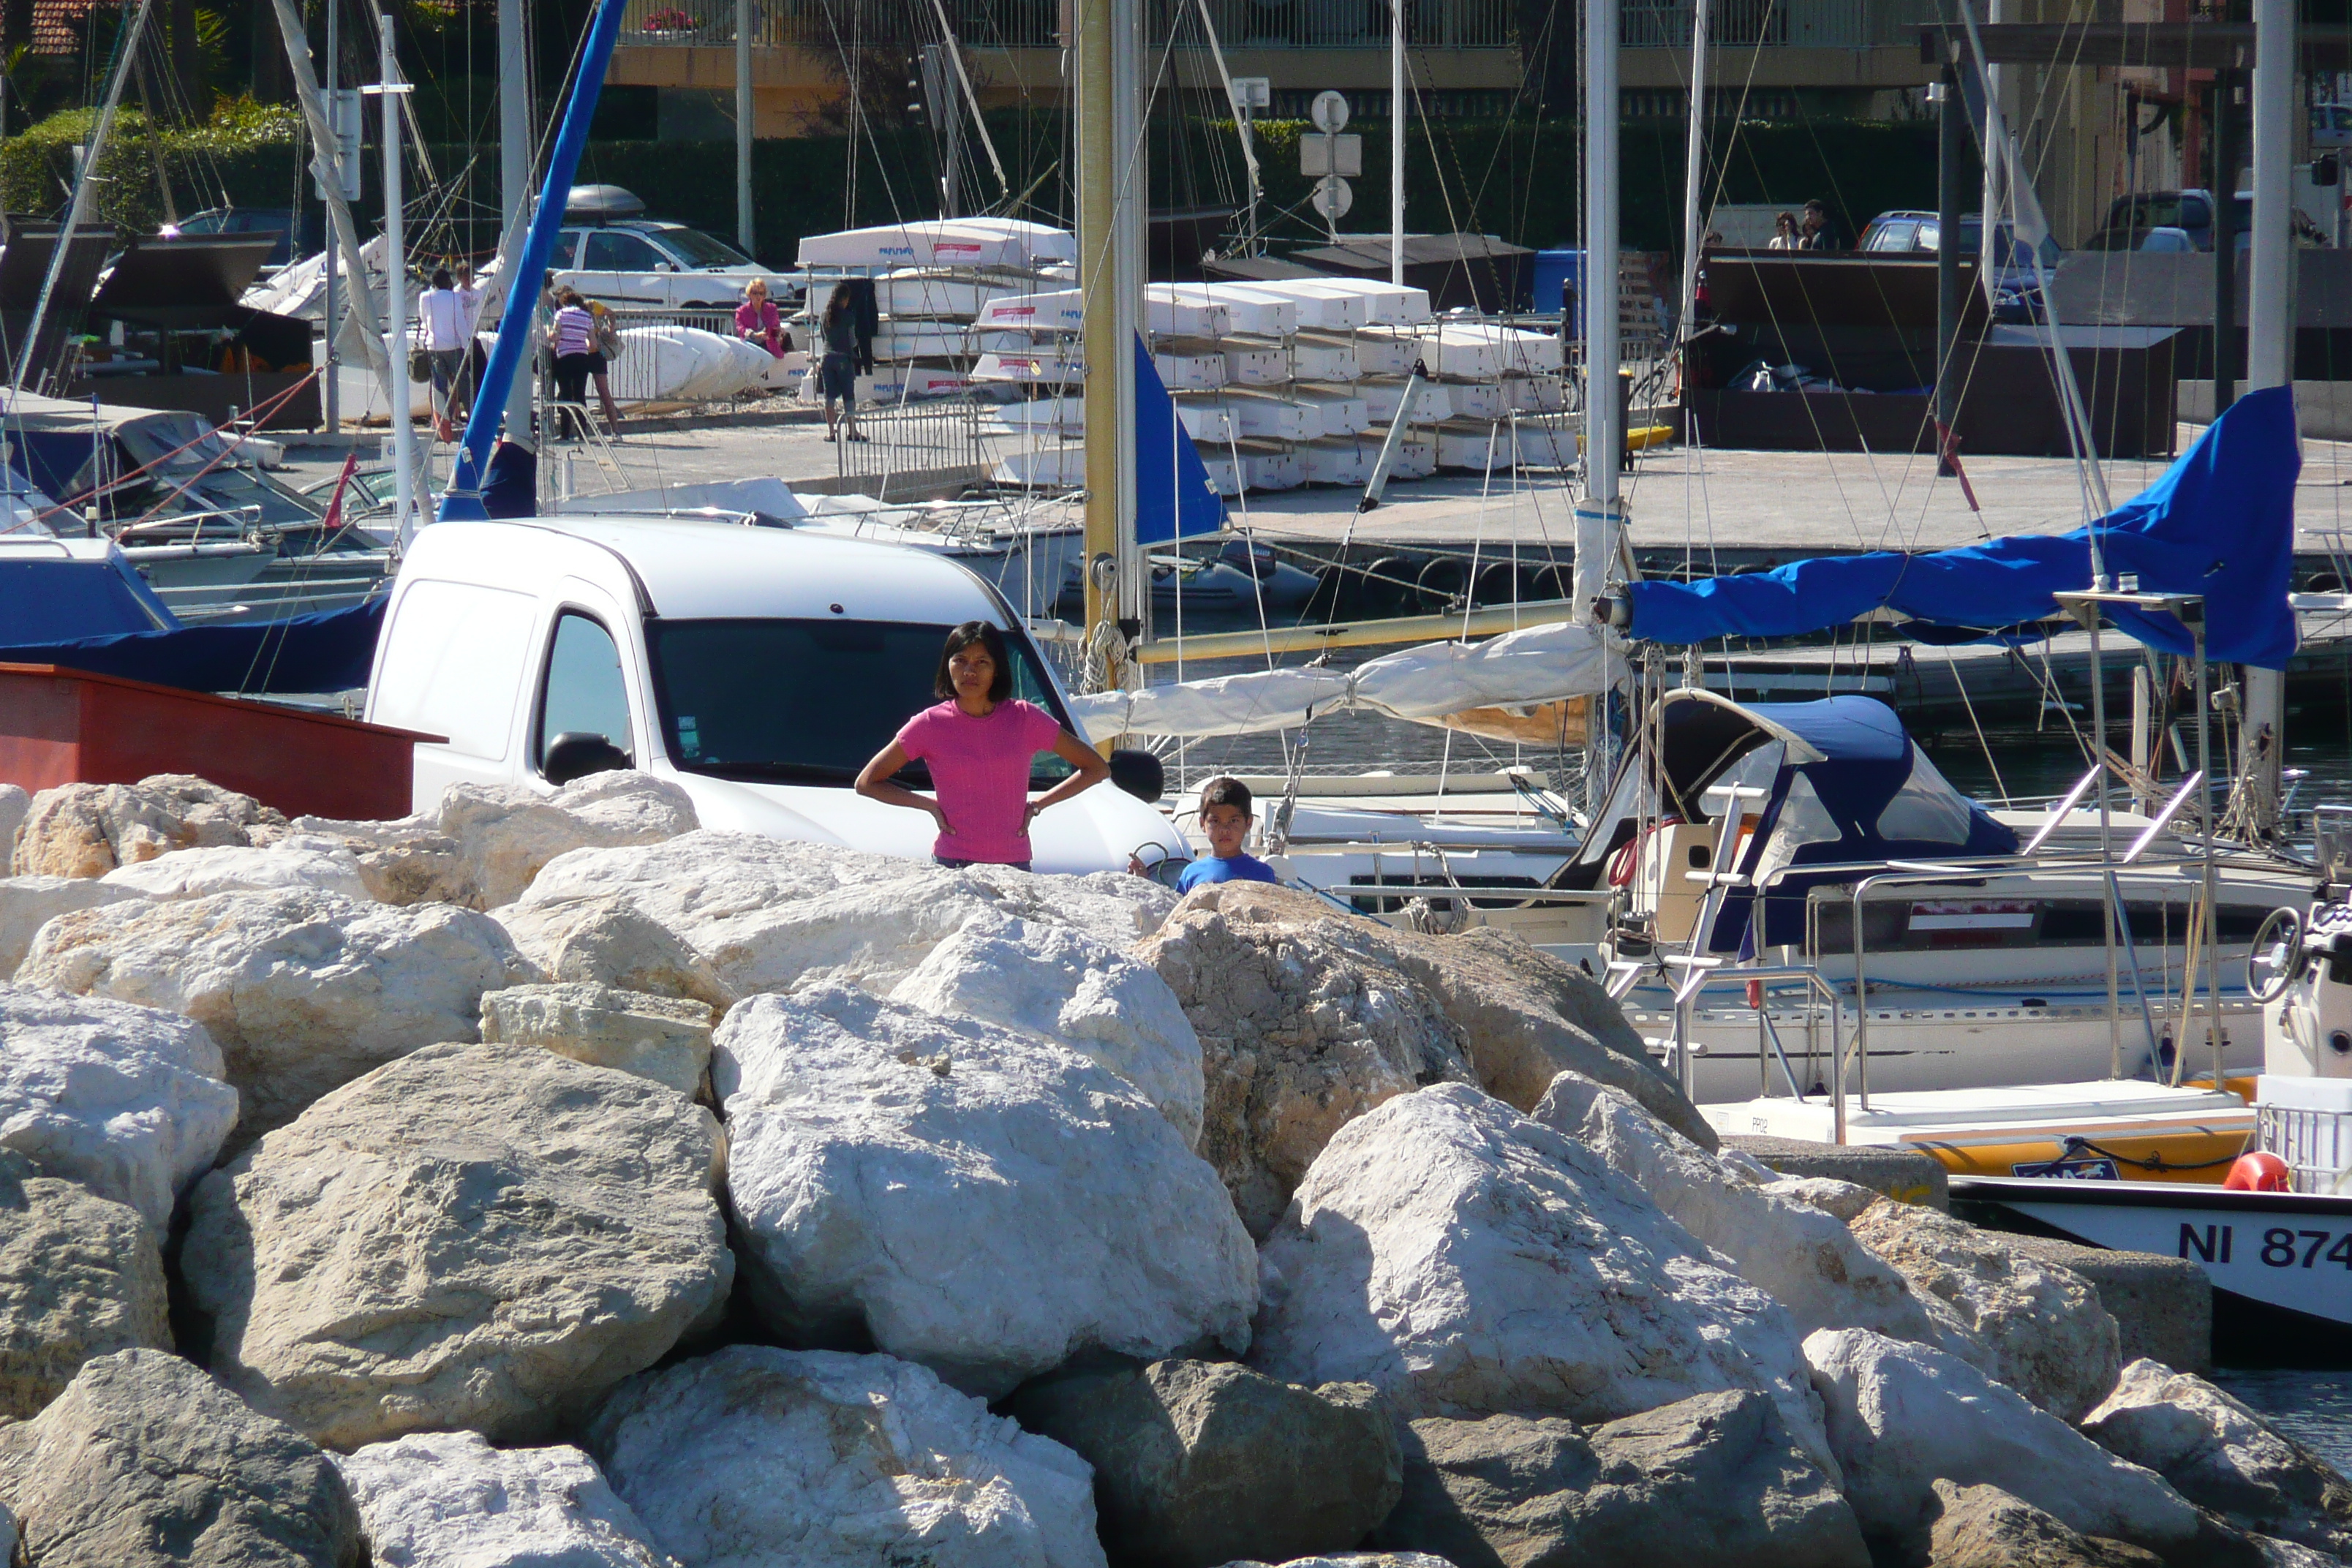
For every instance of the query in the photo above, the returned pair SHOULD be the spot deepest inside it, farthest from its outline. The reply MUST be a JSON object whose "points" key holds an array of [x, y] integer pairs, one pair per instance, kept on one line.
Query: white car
{"points": [[759, 669], [655, 266]]}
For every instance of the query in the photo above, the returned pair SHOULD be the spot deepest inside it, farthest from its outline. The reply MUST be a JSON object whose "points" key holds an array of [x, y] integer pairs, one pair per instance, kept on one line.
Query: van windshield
{"points": [[809, 702]]}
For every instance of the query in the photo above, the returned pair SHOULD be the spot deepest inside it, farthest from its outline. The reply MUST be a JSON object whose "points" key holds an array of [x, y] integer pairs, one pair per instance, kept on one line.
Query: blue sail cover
{"points": [[328, 651], [1173, 497], [2220, 523]]}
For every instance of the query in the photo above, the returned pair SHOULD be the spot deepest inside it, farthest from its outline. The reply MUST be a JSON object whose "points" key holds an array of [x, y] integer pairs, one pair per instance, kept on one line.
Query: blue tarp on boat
{"points": [[2220, 523], [52, 589], [327, 651]]}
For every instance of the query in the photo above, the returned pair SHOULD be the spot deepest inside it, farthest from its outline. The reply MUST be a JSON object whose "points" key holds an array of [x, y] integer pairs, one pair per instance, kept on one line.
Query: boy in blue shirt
{"points": [[1225, 818]]}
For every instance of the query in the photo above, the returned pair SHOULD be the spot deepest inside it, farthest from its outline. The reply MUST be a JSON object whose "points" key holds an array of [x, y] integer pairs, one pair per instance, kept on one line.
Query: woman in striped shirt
{"points": [[571, 338]]}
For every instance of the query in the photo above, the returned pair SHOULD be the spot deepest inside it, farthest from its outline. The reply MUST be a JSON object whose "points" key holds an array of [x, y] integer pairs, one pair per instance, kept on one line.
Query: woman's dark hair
{"points": [[568, 296], [962, 637], [441, 277], [837, 307]]}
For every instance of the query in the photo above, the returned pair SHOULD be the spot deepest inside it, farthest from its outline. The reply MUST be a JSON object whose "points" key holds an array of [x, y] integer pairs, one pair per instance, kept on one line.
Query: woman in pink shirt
{"points": [[758, 321], [978, 745]]}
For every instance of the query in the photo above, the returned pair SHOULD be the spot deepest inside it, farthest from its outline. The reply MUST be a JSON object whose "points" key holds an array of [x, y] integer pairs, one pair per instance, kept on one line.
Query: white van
{"points": [[758, 667]]}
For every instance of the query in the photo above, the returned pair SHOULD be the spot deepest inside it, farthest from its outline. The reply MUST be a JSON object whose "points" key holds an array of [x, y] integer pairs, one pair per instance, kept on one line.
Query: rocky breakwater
{"points": [[547, 1180]]}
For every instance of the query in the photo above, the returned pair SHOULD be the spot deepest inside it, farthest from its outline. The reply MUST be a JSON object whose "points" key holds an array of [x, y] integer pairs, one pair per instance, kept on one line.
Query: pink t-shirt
{"points": [[980, 769]]}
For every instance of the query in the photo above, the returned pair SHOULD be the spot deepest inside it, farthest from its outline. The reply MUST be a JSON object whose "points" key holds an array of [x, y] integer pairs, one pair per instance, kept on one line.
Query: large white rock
{"points": [[127, 1100], [80, 1277], [604, 940], [756, 1457], [449, 1499], [1066, 986], [2042, 1327], [2217, 1453], [981, 1200], [87, 829], [485, 1236], [29, 903], [1806, 1259], [1466, 1260], [664, 1038], [1903, 1416], [304, 990], [14, 804], [770, 914], [481, 845], [299, 861]]}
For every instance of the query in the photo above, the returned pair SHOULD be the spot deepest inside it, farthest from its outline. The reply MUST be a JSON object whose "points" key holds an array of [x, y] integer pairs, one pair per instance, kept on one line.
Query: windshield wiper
{"points": [[782, 773]]}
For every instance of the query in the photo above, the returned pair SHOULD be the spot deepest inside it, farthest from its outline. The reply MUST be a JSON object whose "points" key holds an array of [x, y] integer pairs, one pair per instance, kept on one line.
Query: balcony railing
{"points": [[847, 25], [1795, 24]]}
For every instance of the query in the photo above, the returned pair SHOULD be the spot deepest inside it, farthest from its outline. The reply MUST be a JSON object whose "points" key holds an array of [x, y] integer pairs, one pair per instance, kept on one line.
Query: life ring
{"points": [[1628, 857]]}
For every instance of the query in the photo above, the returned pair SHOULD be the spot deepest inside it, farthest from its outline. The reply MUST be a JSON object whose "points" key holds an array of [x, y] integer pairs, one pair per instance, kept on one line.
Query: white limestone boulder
{"points": [[88, 830], [480, 1236], [1903, 1416], [1063, 985], [481, 845], [981, 1200], [1805, 1259], [2041, 1326], [29, 903], [770, 914], [664, 1039], [1299, 1034], [293, 862], [79, 1278], [15, 803], [756, 1457], [304, 990], [127, 1100], [1466, 1260], [449, 1499], [604, 940], [2221, 1455]]}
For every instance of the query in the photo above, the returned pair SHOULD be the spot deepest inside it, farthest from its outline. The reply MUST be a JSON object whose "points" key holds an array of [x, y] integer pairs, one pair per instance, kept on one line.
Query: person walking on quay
{"points": [[572, 340], [837, 374], [443, 312]]}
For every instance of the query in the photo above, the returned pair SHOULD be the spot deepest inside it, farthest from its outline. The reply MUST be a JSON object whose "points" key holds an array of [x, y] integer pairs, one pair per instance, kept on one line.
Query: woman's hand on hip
{"points": [[1030, 813]]}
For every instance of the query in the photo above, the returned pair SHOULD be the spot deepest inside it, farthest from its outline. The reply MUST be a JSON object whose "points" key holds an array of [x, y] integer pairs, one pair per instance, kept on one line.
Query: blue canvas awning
{"points": [[2219, 524], [331, 650]]}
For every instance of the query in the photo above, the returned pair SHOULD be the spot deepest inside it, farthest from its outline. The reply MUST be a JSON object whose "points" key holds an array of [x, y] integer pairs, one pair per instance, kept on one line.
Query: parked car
{"points": [[2130, 219], [654, 265], [2015, 292]]}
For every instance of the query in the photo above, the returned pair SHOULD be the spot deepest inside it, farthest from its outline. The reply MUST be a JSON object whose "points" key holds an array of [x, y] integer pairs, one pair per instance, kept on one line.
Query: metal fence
{"points": [[841, 25], [911, 445], [635, 376], [1792, 24]]}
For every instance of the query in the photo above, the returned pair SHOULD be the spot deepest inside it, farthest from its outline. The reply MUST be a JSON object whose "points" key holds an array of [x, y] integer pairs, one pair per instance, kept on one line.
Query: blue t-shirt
{"points": [[1209, 869]]}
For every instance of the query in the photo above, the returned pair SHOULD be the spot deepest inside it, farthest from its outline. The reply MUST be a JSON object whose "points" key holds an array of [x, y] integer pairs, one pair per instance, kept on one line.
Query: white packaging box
{"points": [[1323, 359], [1255, 365], [913, 383], [1063, 310], [1477, 400], [1250, 310], [1337, 461], [1047, 369], [1263, 417], [926, 244], [1205, 416], [1543, 443], [1533, 395], [1272, 467], [1184, 310], [1388, 304], [921, 340], [1387, 351], [918, 291], [1416, 456], [1319, 303], [1433, 405], [1052, 468], [1190, 367], [1043, 417], [1344, 413]]}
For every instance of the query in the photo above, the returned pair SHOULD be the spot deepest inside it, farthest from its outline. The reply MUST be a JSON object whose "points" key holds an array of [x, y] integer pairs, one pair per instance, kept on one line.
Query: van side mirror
{"points": [[2326, 170], [575, 754], [1140, 774]]}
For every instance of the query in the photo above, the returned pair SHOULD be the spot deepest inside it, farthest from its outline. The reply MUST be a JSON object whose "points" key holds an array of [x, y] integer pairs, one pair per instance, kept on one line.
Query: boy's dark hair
{"points": [[1225, 790], [441, 277], [962, 637]]}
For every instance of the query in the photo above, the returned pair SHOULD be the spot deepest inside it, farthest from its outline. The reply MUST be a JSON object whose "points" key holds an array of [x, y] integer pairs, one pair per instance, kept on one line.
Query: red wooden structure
{"points": [[63, 726]]}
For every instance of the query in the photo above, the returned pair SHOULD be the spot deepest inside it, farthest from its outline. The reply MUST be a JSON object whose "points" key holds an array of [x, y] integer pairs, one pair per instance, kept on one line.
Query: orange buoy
{"points": [[2260, 1171]]}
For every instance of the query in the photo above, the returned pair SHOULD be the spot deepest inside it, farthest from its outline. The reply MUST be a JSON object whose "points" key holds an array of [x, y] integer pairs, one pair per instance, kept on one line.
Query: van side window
{"points": [[584, 693], [455, 657]]}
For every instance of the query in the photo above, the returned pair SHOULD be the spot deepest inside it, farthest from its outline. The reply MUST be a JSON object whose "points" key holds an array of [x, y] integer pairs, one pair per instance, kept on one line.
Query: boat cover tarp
{"points": [[2220, 523], [1517, 669], [329, 650], [46, 597], [1173, 497]]}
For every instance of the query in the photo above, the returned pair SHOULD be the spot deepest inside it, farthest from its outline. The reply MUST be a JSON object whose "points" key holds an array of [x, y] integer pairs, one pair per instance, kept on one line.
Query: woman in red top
{"points": [[978, 745]]}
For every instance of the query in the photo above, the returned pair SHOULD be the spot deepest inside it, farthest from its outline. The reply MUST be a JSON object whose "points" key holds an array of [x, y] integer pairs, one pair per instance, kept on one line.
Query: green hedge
{"points": [[249, 151]]}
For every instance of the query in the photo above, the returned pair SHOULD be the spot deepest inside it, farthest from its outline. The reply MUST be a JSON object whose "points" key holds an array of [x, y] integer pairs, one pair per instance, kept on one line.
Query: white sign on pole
{"points": [[1253, 92], [1333, 198], [1330, 112], [1320, 155]]}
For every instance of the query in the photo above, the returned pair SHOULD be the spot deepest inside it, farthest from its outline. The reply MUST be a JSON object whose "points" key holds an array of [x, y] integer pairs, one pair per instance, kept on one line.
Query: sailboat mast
{"points": [[1600, 517], [1694, 176], [396, 293], [1110, 282], [1396, 141], [2270, 339]]}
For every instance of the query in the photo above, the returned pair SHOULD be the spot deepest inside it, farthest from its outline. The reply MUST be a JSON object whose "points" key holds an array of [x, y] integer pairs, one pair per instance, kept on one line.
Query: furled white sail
{"points": [[1518, 669]]}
